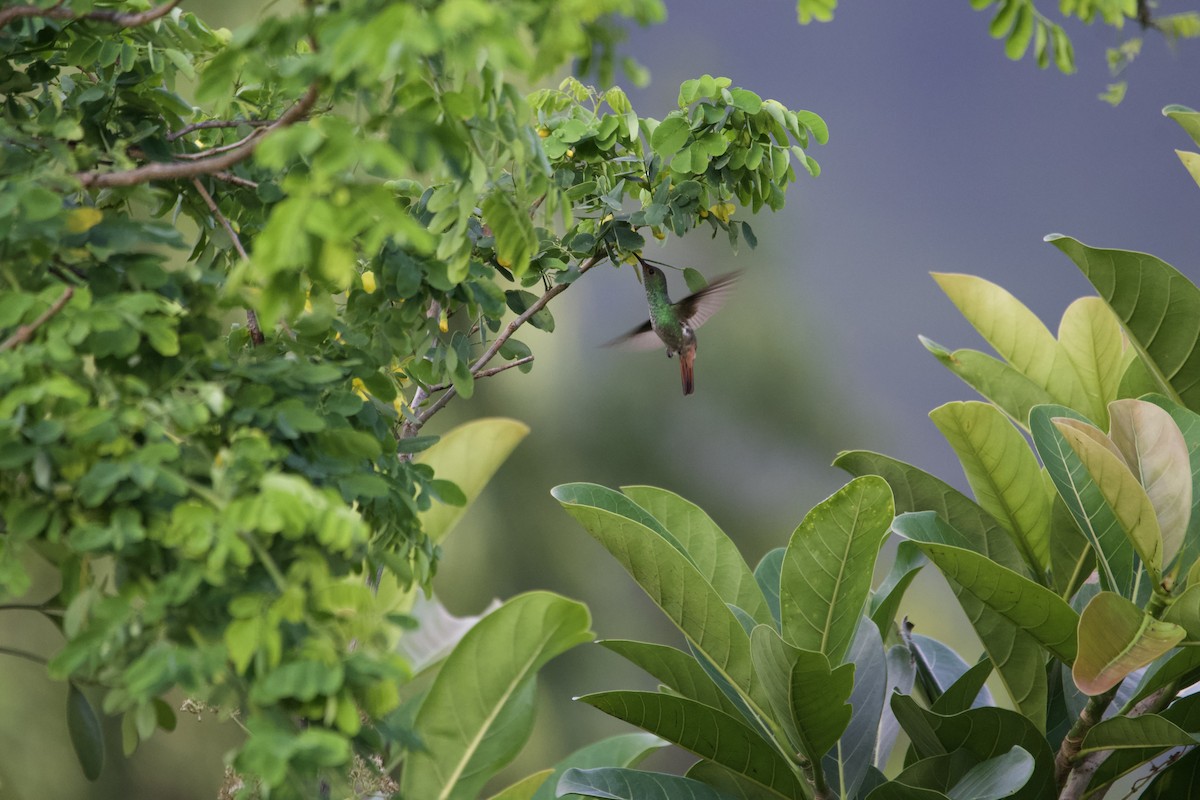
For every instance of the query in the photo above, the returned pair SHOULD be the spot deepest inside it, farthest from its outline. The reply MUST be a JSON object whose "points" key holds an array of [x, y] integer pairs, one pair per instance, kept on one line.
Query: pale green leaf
{"points": [[1115, 638], [611, 783], [996, 380], [1092, 339], [674, 669], [525, 788]]}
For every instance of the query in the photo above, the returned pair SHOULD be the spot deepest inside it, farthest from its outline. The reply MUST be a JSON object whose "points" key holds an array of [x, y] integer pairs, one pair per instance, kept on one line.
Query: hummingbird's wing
{"points": [[695, 309], [642, 337]]}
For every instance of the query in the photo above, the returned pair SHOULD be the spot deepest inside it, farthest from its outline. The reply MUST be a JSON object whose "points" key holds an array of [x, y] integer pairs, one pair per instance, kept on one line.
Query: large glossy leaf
{"points": [[885, 600], [705, 731], [827, 570], [731, 783], [1153, 447], [809, 697], [865, 736], [1071, 556], [1128, 733], [1181, 666], [1185, 612], [1115, 638], [967, 691], [714, 554], [1092, 339], [1188, 423], [1040, 612], [1015, 333], [625, 750], [1184, 714], [1120, 490], [766, 575], [612, 783], [457, 716], [937, 666], [524, 789], [669, 577], [469, 456], [997, 381], [1115, 558], [917, 490], [1003, 474], [1158, 306], [983, 732], [996, 778], [1018, 656], [675, 669]]}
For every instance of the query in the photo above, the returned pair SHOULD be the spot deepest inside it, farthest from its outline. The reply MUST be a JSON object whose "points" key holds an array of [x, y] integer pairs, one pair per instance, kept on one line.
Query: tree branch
{"points": [[256, 334], [487, 373], [1065, 761], [175, 170], [217, 123], [411, 426], [98, 15], [24, 332]]}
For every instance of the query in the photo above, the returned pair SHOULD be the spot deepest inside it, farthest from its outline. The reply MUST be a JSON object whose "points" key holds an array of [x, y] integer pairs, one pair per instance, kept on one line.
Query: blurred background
{"points": [[943, 156]]}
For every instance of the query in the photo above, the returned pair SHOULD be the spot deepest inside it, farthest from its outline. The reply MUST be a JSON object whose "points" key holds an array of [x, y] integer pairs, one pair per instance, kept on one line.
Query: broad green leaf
{"points": [[1185, 612], [1115, 558], [766, 575], [713, 553], [670, 136], [1188, 423], [87, 735], [894, 790], [731, 783], [1126, 733], [516, 240], [1018, 656], [1120, 489], [1158, 306], [985, 733], [1035, 609], [1092, 339], [917, 490], [1181, 666], [1003, 473], [524, 789], [1191, 162], [1184, 714], [464, 701], [997, 381], [669, 578], [624, 750], [1115, 638], [1071, 556], [611, 783], [866, 736], [998, 777], [885, 600], [675, 669], [902, 678], [469, 456], [826, 575], [705, 731], [437, 631], [1155, 451], [808, 697], [967, 690], [1016, 334], [1188, 119], [936, 665]]}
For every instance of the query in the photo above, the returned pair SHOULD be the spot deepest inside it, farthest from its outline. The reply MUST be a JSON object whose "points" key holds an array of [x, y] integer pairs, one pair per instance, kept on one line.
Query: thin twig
{"points": [[236, 180], [413, 425], [225, 148], [25, 654], [23, 333], [487, 373], [217, 123], [176, 170], [256, 334], [98, 15]]}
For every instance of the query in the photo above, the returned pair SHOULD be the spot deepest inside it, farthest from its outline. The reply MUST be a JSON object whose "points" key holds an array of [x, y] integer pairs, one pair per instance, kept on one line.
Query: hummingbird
{"points": [[674, 324]]}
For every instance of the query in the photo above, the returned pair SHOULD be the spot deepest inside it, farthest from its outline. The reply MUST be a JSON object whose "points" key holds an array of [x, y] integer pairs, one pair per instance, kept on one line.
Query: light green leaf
{"points": [[1016, 334], [610, 783], [712, 552], [524, 789], [998, 777], [1092, 339], [1158, 306], [1188, 119], [1115, 638], [624, 750], [464, 701], [1185, 612], [1003, 473], [516, 240], [1126, 733], [1035, 609], [997, 381], [1153, 447], [826, 575], [675, 669], [1115, 558], [469, 456], [705, 731], [670, 136], [668, 576], [1120, 489]]}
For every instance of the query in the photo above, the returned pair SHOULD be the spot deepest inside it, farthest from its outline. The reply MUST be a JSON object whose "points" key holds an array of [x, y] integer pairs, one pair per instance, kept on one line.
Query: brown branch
{"points": [[217, 123], [236, 180], [98, 15], [23, 333], [1065, 761], [176, 170], [225, 148], [487, 373], [411, 426], [256, 334]]}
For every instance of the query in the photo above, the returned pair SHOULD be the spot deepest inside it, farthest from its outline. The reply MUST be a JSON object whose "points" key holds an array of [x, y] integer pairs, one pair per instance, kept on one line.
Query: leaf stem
{"points": [[24, 332]]}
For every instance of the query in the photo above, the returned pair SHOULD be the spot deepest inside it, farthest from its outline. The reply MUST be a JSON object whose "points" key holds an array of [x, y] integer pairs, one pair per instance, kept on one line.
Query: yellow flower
{"points": [[399, 405], [502, 261], [658, 233], [443, 322], [722, 211], [82, 219], [368, 282], [360, 389], [543, 132], [570, 152]]}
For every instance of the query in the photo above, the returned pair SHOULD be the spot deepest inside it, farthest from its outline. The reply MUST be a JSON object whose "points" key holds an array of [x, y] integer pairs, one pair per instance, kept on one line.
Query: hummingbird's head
{"points": [[654, 277]]}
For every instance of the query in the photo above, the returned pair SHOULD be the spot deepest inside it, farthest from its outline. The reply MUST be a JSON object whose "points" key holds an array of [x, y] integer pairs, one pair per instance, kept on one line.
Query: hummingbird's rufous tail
{"points": [[687, 360]]}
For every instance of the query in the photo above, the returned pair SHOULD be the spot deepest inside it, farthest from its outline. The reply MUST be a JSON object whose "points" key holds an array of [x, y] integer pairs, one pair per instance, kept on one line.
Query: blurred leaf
{"points": [[464, 702], [675, 669], [524, 789], [1115, 638], [87, 735], [625, 750], [827, 570], [468, 456], [612, 783], [437, 631]]}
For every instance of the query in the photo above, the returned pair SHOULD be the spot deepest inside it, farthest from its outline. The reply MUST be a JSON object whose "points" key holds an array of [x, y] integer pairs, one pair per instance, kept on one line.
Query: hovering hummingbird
{"points": [[674, 324]]}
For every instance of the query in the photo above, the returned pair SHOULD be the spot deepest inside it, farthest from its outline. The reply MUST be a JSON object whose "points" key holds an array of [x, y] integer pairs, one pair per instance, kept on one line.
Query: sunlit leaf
{"points": [[1115, 638]]}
